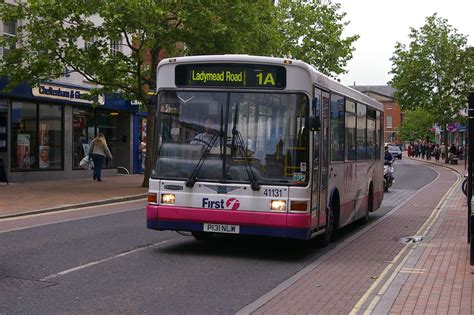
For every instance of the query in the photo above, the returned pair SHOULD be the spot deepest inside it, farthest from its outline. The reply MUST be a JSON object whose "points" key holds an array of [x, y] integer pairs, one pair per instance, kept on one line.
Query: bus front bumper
{"points": [[285, 225]]}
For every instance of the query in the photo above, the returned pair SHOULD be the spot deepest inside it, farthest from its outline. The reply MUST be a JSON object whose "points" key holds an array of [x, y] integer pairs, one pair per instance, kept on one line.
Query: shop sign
{"points": [[455, 127], [63, 93]]}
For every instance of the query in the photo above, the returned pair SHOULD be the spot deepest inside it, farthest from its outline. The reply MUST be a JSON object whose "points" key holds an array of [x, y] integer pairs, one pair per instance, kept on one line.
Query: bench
{"points": [[453, 161]]}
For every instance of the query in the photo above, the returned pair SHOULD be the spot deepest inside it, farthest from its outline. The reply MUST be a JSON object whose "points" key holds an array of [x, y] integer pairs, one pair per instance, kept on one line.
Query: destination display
{"points": [[231, 75]]}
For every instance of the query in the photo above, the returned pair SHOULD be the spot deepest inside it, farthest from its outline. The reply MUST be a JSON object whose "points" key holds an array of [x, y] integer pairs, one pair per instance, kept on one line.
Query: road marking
{"points": [[67, 216], [93, 263], [422, 231]]}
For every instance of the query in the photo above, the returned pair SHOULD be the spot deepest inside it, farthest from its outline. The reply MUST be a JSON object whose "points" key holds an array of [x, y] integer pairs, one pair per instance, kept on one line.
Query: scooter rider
{"points": [[388, 158], [387, 173]]}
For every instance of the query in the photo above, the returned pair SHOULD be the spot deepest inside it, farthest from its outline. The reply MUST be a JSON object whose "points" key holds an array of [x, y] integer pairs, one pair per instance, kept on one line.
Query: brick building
{"points": [[393, 116]]}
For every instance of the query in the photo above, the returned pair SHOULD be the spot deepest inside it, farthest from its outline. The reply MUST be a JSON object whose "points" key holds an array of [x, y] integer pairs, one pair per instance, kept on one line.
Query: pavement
{"points": [[18, 199], [414, 260]]}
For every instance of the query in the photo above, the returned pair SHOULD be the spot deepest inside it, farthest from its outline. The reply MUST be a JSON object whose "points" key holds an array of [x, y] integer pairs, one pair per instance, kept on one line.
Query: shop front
{"points": [[45, 131]]}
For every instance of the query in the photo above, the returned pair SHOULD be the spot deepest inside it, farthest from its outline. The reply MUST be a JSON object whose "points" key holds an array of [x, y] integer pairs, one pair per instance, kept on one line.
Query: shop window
{"points": [[82, 133], [3, 125], [37, 132], [50, 136], [84, 129]]}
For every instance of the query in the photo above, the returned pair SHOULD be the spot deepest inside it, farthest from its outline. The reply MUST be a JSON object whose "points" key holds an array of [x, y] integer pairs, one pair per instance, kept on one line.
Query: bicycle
{"points": [[464, 185]]}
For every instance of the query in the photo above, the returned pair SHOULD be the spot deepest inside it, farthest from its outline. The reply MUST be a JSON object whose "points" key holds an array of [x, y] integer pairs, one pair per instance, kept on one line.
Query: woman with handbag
{"points": [[99, 150]]}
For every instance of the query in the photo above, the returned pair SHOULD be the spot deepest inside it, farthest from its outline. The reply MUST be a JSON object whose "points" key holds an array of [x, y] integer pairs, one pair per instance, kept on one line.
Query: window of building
{"points": [[361, 132], [337, 128], [88, 42], [115, 47], [37, 136], [351, 132], [389, 122], [9, 32]]}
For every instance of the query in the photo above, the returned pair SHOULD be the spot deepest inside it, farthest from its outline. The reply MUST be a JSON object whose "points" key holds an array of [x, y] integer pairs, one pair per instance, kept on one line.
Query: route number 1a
{"points": [[265, 79]]}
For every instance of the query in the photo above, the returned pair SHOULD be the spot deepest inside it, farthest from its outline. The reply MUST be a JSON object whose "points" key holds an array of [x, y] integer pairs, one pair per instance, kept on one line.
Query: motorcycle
{"points": [[388, 178]]}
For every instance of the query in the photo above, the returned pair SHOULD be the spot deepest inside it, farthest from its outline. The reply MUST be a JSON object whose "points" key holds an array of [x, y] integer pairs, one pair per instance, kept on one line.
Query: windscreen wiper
{"points": [[237, 140], [220, 134], [192, 179]]}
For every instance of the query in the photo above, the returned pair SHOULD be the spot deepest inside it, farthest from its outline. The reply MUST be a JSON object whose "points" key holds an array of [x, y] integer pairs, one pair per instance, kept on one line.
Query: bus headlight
{"points": [[168, 199], [278, 205]]}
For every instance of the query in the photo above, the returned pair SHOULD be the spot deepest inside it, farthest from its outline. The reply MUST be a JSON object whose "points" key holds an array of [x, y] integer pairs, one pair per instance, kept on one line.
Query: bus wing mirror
{"points": [[314, 123]]}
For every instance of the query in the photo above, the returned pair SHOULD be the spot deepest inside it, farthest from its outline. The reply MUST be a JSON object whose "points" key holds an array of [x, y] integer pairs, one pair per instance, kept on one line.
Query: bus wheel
{"points": [[325, 239], [201, 236], [370, 207]]}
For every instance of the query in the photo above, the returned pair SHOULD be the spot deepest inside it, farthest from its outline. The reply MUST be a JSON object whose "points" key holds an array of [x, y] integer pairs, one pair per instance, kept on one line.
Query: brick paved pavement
{"points": [[373, 272], [44, 196]]}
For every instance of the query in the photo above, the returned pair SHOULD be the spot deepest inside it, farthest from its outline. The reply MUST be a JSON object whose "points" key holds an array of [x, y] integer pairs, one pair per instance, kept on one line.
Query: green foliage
{"points": [[312, 31], [436, 70], [53, 40], [416, 125]]}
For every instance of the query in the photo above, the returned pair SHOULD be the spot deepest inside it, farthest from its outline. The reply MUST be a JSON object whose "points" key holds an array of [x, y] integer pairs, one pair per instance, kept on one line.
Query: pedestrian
{"points": [[429, 150], [99, 150], [417, 150], [452, 152], [410, 150], [423, 150], [443, 151], [143, 152], [437, 152]]}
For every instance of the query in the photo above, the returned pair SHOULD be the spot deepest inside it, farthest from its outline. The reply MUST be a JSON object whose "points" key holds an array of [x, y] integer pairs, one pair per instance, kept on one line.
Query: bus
{"points": [[262, 146]]}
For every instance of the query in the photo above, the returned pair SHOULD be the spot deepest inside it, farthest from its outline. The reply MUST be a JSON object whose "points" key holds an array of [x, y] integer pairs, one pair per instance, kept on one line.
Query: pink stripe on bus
{"points": [[167, 213]]}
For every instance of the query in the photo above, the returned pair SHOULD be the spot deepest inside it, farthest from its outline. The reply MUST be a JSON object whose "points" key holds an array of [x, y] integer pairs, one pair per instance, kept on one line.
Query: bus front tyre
{"points": [[328, 233]]}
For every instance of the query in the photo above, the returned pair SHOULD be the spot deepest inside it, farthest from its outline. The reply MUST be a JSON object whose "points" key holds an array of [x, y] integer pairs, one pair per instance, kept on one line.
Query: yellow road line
{"points": [[425, 228]]}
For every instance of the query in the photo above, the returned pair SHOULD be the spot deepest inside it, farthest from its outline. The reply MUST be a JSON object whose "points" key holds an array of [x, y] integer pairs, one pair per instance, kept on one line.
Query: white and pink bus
{"points": [[261, 146]]}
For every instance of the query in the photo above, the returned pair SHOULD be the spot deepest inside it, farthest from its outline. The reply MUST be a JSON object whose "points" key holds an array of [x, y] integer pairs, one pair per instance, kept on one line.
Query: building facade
{"points": [[46, 130], [393, 116]]}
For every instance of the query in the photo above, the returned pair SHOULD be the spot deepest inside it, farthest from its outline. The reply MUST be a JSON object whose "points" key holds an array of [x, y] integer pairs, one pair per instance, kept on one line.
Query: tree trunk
{"points": [[150, 144]]}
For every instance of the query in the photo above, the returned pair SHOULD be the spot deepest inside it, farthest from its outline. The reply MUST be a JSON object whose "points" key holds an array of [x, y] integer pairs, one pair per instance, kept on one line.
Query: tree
{"points": [[312, 31], [48, 44], [436, 70], [416, 125]]}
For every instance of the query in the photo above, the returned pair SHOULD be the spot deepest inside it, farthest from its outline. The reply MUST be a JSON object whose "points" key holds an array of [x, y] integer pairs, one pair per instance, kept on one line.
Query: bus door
{"points": [[324, 157], [316, 167]]}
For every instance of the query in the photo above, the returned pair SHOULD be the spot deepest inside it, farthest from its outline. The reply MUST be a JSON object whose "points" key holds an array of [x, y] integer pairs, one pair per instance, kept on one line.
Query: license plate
{"points": [[221, 228]]}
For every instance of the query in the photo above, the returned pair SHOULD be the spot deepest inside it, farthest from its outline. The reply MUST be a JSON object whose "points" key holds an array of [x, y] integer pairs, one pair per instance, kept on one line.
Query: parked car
{"points": [[395, 151]]}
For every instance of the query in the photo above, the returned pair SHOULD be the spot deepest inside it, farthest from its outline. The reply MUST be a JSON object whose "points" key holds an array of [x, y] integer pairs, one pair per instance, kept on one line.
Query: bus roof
{"points": [[320, 80]]}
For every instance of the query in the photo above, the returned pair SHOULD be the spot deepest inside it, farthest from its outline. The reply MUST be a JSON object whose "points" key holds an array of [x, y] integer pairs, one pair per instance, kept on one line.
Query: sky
{"points": [[382, 23]]}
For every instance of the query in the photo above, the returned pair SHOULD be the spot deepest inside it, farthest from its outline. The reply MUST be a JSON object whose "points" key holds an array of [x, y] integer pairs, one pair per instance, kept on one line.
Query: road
{"points": [[103, 259]]}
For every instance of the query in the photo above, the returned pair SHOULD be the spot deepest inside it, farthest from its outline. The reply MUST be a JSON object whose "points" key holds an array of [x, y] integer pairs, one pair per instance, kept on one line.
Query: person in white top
{"points": [[99, 150], [205, 137]]}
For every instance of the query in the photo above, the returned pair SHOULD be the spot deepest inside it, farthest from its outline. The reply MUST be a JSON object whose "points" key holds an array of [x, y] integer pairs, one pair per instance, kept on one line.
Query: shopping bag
{"points": [[85, 163]]}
